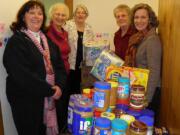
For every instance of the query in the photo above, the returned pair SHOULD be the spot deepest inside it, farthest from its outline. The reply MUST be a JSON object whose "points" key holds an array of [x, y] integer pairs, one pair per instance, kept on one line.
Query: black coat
{"points": [[26, 84]]}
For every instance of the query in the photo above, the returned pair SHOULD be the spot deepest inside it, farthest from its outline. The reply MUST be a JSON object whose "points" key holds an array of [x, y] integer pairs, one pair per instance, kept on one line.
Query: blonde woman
{"points": [[78, 32], [122, 14], [58, 14]]}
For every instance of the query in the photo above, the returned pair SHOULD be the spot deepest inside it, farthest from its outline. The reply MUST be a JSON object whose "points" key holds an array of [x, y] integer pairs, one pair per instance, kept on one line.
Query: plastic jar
{"points": [[149, 121], [147, 112], [128, 118], [136, 114], [101, 96], [102, 126], [82, 117], [120, 110], [73, 98], [137, 97], [113, 93], [87, 92], [123, 91], [118, 127], [137, 128]]}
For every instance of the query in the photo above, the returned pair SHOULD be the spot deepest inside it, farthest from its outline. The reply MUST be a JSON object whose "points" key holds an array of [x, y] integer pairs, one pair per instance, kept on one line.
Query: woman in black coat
{"points": [[36, 73]]}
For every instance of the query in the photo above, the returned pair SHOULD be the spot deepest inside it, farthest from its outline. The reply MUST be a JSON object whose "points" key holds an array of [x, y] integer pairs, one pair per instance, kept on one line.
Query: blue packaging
{"points": [[119, 127]]}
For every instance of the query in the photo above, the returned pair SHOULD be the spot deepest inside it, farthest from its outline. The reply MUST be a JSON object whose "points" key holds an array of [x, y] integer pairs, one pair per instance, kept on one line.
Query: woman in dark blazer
{"points": [[36, 73]]}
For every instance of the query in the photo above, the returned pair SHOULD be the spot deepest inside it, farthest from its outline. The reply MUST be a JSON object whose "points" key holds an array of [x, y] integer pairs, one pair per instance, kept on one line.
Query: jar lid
{"points": [[123, 80], [138, 126], [147, 112], [149, 121], [103, 122], [128, 118], [102, 85], [136, 87], [83, 105], [86, 90], [113, 84], [136, 114], [119, 124], [108, 115]]}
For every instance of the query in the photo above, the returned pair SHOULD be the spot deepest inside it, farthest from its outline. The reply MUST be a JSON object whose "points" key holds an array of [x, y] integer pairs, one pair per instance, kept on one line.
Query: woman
{"points": [[79, 32], [122, 14], [36, 74], [144, 50], [58, 14]]}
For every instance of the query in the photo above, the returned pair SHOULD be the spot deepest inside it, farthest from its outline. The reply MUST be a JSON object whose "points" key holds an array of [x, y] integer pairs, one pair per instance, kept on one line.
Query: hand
{"points": [[57, 93]]}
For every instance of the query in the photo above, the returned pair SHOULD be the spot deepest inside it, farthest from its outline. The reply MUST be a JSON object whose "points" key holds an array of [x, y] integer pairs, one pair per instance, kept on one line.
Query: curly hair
{"points": [[19, 23], [153, 21]]}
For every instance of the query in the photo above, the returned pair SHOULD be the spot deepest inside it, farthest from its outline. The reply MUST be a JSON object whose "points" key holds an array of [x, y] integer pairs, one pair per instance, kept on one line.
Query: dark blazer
{"points": [[26, 84]]}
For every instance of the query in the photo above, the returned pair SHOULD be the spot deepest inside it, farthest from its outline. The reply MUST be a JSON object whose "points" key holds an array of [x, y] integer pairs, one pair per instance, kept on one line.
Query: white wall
{"points": [[8, 12], [101, 16]]}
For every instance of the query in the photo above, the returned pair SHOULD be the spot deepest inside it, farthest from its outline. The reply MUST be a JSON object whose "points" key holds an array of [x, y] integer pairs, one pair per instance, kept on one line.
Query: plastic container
{"points": [[73, 98], [102, 126], [137, 128], [136, 114], [120, 110], [113, 93], [101, 96], [123, 91], [147, 112], [118, 127], [87, 93], [149, 121], [137, 97], [128, 118], [82, 117]]}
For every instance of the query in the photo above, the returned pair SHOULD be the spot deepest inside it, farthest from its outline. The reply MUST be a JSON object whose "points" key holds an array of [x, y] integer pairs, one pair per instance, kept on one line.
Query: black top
{"points": [[79, 56]]}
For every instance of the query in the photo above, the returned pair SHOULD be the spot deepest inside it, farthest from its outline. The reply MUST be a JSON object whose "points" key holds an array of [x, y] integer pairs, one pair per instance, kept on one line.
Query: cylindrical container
{"points": [[120, 110], [113, 93], [149, 121], [82, 117], [147, 112], [128, 118], [73, 98], [123, 91], [102, 126], [137, 128], [137, 97], [101, 96], [108, 115], [136, 114], [87, 92], [118, 127]]}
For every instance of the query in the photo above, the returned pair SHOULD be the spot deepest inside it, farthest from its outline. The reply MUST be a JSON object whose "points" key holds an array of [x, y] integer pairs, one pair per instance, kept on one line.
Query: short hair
{"points": [[19, 23], [153, 21], [83, 7], [122, 7], [58, 6]]}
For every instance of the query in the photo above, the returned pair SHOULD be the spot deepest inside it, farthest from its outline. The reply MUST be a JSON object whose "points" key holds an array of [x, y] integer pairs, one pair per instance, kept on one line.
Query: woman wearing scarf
{"points": [[36, 73], [58, 14], [144, 49]]}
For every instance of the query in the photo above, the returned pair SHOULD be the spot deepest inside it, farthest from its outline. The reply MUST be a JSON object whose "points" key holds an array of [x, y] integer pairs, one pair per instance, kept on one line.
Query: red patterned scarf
{"points": [[134, 41], [50, 117]]}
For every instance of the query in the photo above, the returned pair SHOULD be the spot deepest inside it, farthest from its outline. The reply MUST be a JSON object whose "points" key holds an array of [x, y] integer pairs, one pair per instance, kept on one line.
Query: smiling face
{"points": [[122, 18], [141, 19], [59, 17], [80, 15], [34, 19]]}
